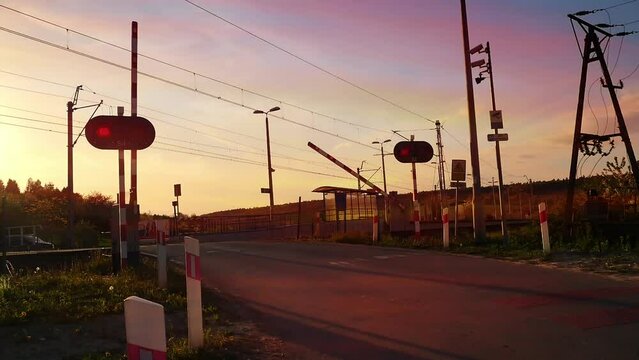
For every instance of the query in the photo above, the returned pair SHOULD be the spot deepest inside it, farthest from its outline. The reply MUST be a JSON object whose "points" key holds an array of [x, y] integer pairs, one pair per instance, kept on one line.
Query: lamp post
{"points": [[495, 123], [268, 154]]}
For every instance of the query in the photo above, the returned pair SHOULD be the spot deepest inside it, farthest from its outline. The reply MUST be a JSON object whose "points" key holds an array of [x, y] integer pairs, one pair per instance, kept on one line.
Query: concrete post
{"points": [[193, 291], [543, 222], [145, 330]]}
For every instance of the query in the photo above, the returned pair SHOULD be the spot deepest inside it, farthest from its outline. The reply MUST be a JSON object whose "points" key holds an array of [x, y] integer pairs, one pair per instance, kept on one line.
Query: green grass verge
{"points": [[82, 291], [87, 289]]}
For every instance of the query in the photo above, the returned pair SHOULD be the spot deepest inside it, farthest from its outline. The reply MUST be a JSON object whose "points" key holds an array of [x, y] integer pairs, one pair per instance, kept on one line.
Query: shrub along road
{"points": [[360, 302]]}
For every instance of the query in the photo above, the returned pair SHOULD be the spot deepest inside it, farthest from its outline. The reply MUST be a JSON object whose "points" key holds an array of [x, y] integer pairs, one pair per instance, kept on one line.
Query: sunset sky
{"points": [[406, 51]]}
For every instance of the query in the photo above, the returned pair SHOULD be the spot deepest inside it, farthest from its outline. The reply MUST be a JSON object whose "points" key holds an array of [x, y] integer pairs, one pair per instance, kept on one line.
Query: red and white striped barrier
{"points": [[122, 206], [446, 227], [145, 331], [375, 228], [543, 221], [193, 291]]}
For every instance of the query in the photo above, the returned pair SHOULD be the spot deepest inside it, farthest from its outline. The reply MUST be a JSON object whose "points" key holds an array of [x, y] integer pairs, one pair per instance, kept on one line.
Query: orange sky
{"points": [[408, 52]]}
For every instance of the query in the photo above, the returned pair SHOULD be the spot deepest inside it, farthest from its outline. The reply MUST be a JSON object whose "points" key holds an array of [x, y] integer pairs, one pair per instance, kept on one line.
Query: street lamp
{"points": [[268, 154], [381, 147]]}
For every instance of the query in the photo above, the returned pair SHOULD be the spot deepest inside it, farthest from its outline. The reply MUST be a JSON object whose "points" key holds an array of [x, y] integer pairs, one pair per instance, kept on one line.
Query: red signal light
{"points": [[104, 132], [120, 132], [413, 151]]}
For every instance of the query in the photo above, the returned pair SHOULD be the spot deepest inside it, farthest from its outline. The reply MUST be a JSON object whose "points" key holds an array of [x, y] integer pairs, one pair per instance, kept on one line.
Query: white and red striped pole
{"points": [[375, 228], [134, 153], [543, 222], [193, 291], [345, 168], [446, 227], [145, 329], [122, 203]]}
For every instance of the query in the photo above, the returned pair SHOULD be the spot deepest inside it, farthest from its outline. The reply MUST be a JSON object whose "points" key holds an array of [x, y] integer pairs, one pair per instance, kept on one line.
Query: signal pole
{"points": [[134, 254], [479, 224]]}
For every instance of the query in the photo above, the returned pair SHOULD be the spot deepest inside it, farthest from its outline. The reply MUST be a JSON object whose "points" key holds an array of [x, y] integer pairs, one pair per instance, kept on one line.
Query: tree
{"points": [[12, 187], [618, 182], [1, 186]]}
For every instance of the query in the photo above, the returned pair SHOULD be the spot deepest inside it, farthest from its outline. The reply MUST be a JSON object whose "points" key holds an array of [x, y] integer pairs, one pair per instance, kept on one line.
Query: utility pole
{"points": [[479, 224], [415, 202], [592, 52], [494, 202], [381, 148], [70, 144], [71, 214], [440, 166]]}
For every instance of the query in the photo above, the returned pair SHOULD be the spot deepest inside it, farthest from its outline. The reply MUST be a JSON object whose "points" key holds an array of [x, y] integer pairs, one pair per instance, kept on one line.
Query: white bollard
{"points": [[543, 222], [145, 331], [193, 291], [162, 227], [375, 228], [446, 227]]}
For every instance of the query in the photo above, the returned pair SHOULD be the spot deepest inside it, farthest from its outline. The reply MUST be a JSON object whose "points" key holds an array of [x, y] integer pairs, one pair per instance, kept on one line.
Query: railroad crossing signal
{"points": [[120, 132], [413, 151]]}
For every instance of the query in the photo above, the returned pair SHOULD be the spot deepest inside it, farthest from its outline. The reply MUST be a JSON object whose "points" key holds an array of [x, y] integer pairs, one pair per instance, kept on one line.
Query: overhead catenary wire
{"points": [[239, 160], [194, 73], [306, 161], [241, 135], [176, 84], [325, 71]]}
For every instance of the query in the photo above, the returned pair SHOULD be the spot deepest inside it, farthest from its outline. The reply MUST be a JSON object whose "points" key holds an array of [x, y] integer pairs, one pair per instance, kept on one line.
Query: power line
{"points": [[173, 83], [159, 137], [232, 159], [340, 78], [157, 119], [191, 72]]}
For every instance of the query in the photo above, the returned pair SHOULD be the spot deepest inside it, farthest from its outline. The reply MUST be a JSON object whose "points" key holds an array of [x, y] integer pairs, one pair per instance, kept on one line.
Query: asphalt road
{"points": [[358, 302]]}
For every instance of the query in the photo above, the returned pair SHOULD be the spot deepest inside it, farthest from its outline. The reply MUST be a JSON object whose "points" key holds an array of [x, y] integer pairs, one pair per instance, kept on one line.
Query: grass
{"points": [[524, 244], [82, 291], [87, 290]]}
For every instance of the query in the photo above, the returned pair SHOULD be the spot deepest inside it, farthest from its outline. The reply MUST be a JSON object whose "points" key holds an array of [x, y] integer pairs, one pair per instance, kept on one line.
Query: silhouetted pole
{"points": [[479, 224], [71, 213]]}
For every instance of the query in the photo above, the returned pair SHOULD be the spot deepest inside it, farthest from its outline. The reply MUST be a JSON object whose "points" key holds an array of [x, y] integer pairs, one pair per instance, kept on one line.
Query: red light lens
{"points": [[103, 132], [404, 151]]}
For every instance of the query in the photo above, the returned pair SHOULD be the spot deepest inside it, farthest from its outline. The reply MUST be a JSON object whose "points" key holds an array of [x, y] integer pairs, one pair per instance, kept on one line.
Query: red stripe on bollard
{"points": [[445, 219], [193, 267], [135, 352], [543, 216]]}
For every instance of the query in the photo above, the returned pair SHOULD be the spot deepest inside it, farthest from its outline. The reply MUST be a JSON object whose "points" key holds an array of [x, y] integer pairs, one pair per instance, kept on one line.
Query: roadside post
{"points": [[375, 228], [445, 227], [193, 291], [543, 222], [145, 329], [162, 227]]}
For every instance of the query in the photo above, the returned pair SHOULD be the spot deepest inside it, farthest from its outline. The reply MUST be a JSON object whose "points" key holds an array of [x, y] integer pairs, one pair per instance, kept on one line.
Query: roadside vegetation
{"points": [[86, 290]]}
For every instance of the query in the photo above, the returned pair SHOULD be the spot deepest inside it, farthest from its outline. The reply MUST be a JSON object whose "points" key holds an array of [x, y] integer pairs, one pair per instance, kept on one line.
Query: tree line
{"points": [[46, 207]]}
